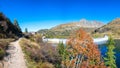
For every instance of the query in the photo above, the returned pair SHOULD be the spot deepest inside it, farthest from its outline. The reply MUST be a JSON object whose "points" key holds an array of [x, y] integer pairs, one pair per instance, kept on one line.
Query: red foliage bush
{"points": [[84, 52]]}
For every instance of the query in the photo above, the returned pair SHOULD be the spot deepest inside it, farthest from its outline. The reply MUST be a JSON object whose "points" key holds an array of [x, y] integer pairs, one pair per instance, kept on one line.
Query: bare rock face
{"points": [[83, 23], [7, 29]]}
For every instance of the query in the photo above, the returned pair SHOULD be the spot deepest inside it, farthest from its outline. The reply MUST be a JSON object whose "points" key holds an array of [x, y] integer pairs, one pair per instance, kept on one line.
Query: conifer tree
{"points": [[17, 25], [26, 30], [63, 53], [62, 50], [110, 55]]}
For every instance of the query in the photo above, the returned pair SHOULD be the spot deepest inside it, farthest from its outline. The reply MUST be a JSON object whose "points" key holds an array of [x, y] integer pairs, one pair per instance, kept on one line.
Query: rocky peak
{"points": [[83, 20]]}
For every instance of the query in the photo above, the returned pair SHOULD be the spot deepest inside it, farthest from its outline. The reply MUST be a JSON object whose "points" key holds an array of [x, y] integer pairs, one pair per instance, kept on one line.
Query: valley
{"points": [[43, 48]]}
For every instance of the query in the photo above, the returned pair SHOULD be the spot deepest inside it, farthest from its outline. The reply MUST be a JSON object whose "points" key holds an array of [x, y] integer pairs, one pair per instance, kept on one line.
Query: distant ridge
{"points": [[112, 27], [82, 23], [65, 30]]}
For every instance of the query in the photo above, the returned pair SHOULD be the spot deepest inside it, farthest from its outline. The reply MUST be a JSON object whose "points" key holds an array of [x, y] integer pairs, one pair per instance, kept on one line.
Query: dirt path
{"points": [[15, 57]]}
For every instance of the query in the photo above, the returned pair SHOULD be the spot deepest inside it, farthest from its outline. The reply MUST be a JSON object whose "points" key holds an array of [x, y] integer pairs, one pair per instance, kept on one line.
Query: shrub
{"points": [[83, 52], [2, 53], [3, 46], [42, 53], [48, 53], [45, 65], [36, 38], [62, 50]]}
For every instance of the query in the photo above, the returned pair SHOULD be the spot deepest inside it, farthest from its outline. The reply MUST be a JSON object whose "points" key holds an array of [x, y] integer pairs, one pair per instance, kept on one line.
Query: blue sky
{"points": [[41, 14]]}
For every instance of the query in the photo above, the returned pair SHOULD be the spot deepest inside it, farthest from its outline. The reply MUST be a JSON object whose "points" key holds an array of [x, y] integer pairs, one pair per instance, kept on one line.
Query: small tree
{"points": [[83, 52], [110, 57], [62, 50], [17, 25], [26, 30]]}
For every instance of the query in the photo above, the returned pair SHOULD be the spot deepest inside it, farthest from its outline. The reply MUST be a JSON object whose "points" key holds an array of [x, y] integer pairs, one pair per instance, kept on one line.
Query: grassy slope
{"points": [[112, 28], [3, 46], [33, 55]]}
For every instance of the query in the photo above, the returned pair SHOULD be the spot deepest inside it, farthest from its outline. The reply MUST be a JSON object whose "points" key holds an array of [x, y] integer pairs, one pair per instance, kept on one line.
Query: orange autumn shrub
{"points": [[83, 52]]}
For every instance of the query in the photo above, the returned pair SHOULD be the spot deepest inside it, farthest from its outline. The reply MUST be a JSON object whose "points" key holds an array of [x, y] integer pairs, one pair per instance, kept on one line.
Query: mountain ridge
{"points": [[82, 23], [113, 27], [68, 28]]}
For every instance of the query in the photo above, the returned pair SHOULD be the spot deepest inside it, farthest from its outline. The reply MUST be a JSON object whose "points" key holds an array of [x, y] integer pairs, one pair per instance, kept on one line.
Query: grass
{"points": [[27, 47], [3, 46], [97, 35], [39, 54], [32, 55]]}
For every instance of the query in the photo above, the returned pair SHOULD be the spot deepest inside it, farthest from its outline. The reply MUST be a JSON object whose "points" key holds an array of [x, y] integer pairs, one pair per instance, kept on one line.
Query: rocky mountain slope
{"points": [[83, 23], [7, 29], [112, 27], [64, 30]]}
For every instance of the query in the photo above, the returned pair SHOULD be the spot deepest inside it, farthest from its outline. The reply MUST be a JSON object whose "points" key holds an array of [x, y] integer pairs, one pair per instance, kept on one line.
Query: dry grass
{"points": [[3, 46], [26, 42], [97, 35], [39, 55], [45, 65], [30, 50]]}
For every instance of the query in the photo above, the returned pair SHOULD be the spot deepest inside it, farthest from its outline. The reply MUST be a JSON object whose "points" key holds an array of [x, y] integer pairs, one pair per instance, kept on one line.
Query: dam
{"points": [[97, 41]]}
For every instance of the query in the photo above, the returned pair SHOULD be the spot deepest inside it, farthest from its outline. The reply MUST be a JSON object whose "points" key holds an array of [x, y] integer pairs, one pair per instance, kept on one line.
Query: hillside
{"points": [[7, 29], [112, 27], [83, 23], [64, 30]]}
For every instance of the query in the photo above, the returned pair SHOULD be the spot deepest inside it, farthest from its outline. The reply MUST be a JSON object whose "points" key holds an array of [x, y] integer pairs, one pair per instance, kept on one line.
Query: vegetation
{"points": [[97, 35], [80, 52], [110, 28], [8, 33], [8, 29], [39, 55], [62, 50], [26, 30], [63, 53], [30, 49], [55, 34], [110, 55], [61, 33], [83, 52], [17, 25], [3, 46]]}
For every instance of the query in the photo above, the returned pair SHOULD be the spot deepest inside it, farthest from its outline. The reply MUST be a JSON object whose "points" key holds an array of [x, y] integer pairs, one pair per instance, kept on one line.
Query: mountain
{"points": [[64, 30], [83, 23], [112, 27], [7, 29]]}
